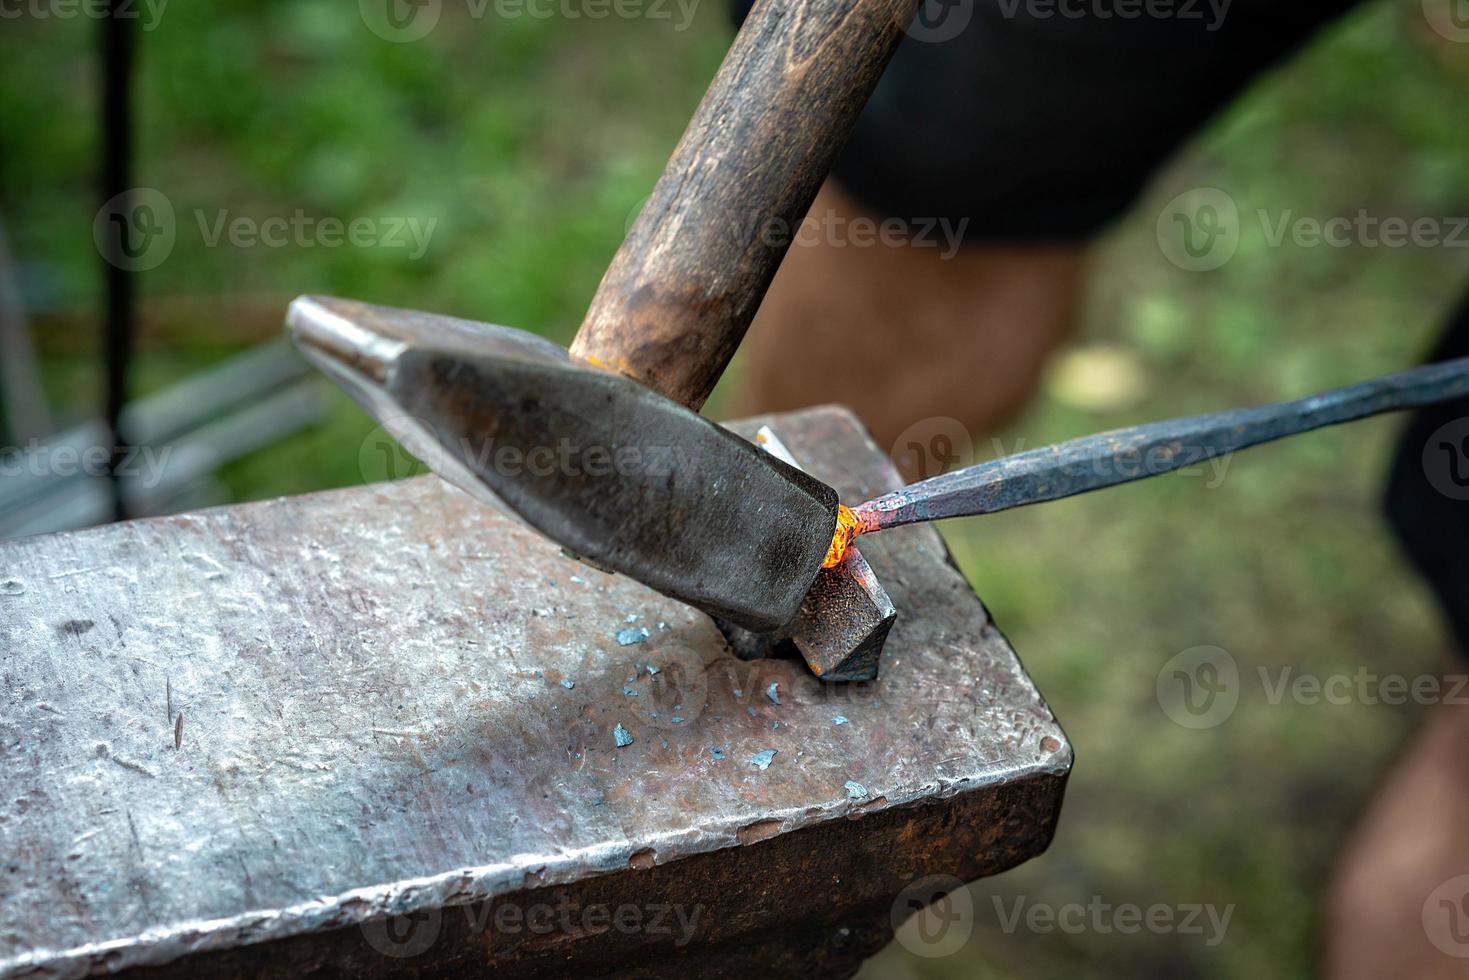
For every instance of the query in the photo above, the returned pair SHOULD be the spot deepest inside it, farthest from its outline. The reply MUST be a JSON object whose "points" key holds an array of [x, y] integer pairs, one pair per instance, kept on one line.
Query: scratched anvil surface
{"points": [[396, 701]]}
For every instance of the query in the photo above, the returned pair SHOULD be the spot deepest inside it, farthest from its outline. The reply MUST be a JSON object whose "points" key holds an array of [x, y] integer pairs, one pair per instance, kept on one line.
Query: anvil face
{"points": [[609, 470], [397, 702]]}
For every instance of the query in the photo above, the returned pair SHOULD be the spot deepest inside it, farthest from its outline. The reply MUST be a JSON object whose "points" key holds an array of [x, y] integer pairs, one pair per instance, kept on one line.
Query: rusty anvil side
{"points": [[398, 712]]}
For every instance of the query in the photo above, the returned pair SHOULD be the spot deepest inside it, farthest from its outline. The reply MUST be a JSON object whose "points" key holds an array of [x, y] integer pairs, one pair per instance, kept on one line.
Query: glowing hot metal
{"points": [[848, 527]]}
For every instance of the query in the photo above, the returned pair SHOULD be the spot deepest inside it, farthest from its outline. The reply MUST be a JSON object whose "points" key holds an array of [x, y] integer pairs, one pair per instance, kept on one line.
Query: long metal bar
{"points": [[116, 184], [1112, 458]]}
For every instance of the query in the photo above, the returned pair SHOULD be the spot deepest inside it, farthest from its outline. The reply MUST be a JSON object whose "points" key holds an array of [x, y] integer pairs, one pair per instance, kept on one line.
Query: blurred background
{"points": [[497, 163]]}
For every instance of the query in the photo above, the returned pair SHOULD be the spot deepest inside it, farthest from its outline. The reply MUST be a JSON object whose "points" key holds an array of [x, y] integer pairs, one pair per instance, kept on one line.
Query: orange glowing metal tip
{"points": [[849, 525]]}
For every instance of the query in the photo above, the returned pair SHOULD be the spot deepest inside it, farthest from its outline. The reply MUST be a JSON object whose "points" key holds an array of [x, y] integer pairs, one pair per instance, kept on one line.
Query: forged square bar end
{"points": [[844, 621], [845, 616]]}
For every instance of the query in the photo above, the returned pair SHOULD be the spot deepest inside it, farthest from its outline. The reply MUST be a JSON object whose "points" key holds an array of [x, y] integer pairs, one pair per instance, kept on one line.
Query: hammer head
{"points": [[612, 471]]}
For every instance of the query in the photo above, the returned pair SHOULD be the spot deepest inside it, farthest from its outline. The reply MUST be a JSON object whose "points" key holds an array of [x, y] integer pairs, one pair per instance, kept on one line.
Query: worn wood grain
{"points": [[681, 292]]}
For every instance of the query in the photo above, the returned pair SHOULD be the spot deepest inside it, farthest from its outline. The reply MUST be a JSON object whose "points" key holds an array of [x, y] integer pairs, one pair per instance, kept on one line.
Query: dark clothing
{"points": [[1038, 125], [1427, 500]]}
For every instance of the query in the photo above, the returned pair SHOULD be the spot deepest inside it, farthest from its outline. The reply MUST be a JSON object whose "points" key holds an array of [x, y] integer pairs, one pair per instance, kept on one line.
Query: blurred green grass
{"points": [[531, 142], [528, 142]]}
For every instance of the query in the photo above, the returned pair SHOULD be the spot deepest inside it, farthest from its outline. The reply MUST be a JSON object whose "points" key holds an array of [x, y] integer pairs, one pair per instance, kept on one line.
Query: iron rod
{"points": [[1122, 456]]}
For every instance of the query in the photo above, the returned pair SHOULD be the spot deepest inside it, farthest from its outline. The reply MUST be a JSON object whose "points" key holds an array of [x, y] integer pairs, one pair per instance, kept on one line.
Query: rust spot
{"points": [[1049, 744], [643, 860], [758, 831], [857, 812]]}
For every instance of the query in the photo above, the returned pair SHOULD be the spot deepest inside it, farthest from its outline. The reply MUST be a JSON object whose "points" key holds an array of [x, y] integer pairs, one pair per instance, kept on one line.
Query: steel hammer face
{"points": [[612, 471]]}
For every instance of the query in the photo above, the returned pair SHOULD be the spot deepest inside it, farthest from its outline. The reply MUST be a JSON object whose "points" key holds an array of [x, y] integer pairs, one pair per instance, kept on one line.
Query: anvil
{"points": [[372, 732]]}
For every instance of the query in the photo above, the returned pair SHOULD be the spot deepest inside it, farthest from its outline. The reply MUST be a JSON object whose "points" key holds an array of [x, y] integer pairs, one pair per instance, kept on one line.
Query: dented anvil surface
{"points": [[398, 702]]}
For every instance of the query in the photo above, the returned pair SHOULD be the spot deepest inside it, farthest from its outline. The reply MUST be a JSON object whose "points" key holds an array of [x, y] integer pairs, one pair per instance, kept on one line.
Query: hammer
{"points": [[636, 482]]}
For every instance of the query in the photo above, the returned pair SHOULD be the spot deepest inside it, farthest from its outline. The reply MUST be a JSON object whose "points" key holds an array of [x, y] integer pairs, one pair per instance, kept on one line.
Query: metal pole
{"points": [[116, 179], [23, 411]]}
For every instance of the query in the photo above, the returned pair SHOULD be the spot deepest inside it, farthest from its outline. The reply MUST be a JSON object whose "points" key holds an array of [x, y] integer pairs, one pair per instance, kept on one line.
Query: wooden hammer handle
{"points": [[683, 288]]}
